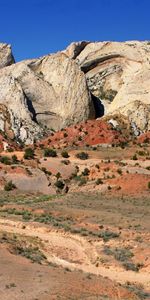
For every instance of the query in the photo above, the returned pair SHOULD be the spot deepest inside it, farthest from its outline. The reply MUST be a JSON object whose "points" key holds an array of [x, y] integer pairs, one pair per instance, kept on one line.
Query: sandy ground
{"points": [[74, 252]]}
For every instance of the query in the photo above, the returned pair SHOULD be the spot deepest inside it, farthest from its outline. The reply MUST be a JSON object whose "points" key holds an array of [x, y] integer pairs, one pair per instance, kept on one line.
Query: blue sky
{"points": [[38, 27]]}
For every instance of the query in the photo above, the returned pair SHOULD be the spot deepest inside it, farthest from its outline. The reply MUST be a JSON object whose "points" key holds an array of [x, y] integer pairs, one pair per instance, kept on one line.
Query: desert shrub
{"points": [[120, 254], [131, 266], [82, 181], [58, 175], [32, 253], [14, 159], [29, 153], [9, 149], [5, 160], [50, 152], [134, 157], [46, 171], [65, 162], [9, 186], [82, 155], [119, 171], [29, 172], [97, 166], [107, 235], [86, 172], [41, 146], [99, 181], [149, 185], [64, 154], [65, 134], [59, 184]]}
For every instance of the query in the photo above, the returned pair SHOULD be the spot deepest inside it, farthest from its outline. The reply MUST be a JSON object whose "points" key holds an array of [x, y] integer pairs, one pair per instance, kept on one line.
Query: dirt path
{"points": [[74, 252]]}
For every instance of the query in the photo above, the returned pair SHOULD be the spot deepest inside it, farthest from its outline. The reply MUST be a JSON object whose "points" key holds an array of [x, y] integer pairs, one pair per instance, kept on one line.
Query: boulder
{"points": [[6, 57], [45, 93]]}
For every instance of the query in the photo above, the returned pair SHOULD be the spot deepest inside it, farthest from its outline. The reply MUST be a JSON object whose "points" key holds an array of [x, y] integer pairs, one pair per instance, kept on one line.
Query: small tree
{"points": [[50, 152], [29, 153]]}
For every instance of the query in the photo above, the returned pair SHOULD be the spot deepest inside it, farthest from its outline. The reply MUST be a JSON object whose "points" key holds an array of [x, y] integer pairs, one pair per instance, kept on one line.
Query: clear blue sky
{"points": [[38, 27]]}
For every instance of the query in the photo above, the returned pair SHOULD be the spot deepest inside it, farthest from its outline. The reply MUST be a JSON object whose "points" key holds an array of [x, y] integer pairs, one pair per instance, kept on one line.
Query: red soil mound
{"points": [[92, 132]]}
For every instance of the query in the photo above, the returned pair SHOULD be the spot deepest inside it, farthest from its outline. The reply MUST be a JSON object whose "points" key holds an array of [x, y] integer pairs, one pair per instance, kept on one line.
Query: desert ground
{"points": [[75, 225]]}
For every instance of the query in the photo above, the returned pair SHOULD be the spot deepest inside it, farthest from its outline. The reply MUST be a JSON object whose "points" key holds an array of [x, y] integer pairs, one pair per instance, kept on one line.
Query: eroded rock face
{"points": [[48, 92], [6, 57], [119, 75]]}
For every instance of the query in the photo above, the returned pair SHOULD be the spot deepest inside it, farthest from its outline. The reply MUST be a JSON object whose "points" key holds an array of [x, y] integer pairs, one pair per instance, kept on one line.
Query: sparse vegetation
{"points": [[82, 155]]}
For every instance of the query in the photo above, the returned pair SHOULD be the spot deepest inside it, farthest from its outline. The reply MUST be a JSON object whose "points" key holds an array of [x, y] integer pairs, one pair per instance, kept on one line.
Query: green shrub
{"points": [[86, 172], [59, 184], [14, 159], [134, 157], [119, 171], [43, 169], [65, 134], [82, 155], [50, 152], [9, 149], [82, 181], [64, 154], [9, 186], [99, 181], [5, 160], [29, 153], [131, 266], [58, 175], [107, 235]]}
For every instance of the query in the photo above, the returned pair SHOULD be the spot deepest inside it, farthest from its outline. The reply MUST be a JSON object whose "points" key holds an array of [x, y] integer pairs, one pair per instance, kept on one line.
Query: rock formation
{"points": [[6, 57], [49, 92], [119, 75], [85, 81]]}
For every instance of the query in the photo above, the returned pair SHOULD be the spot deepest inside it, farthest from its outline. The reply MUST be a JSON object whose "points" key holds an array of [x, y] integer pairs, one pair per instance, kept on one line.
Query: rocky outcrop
{"points": [[119, 75], [45, 93], [85, 81], [6, 57]]}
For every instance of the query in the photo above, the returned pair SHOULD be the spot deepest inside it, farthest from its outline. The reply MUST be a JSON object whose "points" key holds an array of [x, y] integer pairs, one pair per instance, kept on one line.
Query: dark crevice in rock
{"points": [[31, 108], [80, 48], [94, 62], [98, 106]]}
